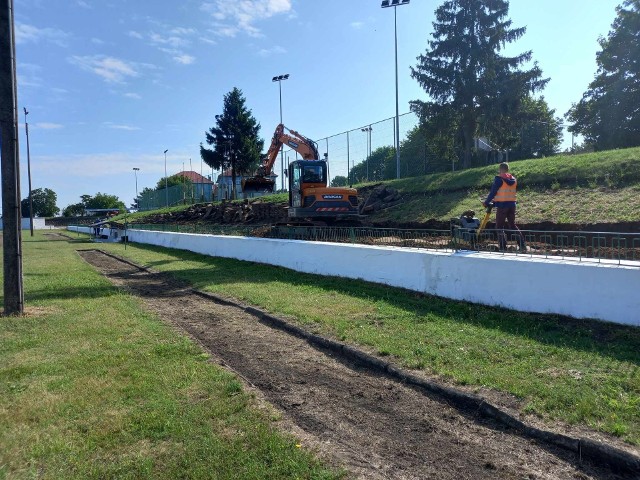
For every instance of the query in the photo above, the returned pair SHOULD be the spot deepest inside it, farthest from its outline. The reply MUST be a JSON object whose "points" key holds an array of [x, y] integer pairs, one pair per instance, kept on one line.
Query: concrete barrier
{"points": [[576, 289], [25, 224]]}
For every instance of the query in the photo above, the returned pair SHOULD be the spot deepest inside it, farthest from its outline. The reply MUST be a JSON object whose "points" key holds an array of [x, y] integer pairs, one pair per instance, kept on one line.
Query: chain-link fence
{"points": [[186, 194], [368, 153]]}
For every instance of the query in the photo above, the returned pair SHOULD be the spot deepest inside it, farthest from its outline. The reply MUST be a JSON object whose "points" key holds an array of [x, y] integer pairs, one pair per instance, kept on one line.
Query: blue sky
{"points": [[110, 84]]}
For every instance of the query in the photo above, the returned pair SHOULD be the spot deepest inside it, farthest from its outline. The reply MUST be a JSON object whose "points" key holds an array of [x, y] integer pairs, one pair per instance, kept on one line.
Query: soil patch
{"points": [[374, 427]]}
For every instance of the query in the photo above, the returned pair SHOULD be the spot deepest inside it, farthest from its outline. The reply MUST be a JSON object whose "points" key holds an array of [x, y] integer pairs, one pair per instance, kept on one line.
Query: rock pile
{"points": [[380, 198], [226, 213]]}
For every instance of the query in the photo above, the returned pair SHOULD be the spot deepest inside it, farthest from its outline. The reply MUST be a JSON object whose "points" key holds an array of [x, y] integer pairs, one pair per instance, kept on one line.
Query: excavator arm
{"points": [[283, 136]]}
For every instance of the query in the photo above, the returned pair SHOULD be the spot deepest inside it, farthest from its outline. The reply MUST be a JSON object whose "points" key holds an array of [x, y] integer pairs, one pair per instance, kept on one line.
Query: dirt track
{"points": [[374, 427]]}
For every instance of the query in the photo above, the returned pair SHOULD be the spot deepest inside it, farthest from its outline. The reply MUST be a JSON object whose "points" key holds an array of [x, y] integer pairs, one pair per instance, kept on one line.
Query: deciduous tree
{"points": [[44, 203], [608, 115]]}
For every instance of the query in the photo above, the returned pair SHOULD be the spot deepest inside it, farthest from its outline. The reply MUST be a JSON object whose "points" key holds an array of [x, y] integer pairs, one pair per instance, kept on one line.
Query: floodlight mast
{"points": [[280, 79], [387, 4]]}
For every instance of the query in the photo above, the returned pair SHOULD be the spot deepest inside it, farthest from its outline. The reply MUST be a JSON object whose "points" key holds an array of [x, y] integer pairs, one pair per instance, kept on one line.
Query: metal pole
{"points": [[135, 172], [348, 175], [395, 28], [326, 159], [282, 149], [166, 189], [26, 127], [11, 232]]}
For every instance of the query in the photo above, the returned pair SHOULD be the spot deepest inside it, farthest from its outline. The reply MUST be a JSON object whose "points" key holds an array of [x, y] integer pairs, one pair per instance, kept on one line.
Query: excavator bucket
{"points": [[257, 184]]}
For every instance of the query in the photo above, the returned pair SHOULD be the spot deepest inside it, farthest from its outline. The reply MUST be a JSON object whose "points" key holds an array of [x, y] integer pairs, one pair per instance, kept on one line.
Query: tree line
{"points": [[483, 106]]}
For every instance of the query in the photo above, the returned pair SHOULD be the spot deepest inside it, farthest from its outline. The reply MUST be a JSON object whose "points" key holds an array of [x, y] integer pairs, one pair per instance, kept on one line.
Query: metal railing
{"points": [[606, 247], [609, 247]]}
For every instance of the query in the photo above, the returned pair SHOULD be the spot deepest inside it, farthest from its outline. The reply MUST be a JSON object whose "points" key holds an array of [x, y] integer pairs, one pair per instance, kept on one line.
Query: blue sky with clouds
{"points": [[111, 84]]}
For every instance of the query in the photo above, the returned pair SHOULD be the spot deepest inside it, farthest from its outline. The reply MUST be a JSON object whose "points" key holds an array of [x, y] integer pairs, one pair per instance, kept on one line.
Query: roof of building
{"points": [[195, 177], [227, 173]]}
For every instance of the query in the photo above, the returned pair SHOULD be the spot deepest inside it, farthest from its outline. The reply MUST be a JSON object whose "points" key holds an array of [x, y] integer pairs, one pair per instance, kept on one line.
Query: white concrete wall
{"points": [[576, 289], [75, 228], [38, 224]]}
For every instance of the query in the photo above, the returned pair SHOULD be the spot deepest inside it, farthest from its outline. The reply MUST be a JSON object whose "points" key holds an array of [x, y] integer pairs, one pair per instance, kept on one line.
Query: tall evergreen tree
{"points": [[464, 71], [235, 140], [608, 116]]}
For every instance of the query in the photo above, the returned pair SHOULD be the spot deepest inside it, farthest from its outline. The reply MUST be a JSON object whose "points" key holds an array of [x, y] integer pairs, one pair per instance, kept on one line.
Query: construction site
{"points": [[448, 293]]}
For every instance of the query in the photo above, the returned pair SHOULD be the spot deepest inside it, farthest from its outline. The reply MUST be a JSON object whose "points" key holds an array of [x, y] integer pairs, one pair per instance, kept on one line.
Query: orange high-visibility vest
{"points": [[506, 193]]}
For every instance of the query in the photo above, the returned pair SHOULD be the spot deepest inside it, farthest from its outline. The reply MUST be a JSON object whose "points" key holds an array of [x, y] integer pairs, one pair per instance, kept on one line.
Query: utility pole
{"points": [[26, 128], [10, 166]]}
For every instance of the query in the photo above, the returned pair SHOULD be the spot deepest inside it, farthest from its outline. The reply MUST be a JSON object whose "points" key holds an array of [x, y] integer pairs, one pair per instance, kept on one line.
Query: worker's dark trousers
{"points": [[507, 215]]}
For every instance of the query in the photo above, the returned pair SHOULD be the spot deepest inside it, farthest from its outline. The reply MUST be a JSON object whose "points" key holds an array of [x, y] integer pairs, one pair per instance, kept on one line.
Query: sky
{"points": [[110, 84]]}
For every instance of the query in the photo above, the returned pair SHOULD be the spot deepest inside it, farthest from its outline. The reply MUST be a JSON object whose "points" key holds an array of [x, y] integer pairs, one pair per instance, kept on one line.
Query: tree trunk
{"points": [[468, 131], [234, 194]]}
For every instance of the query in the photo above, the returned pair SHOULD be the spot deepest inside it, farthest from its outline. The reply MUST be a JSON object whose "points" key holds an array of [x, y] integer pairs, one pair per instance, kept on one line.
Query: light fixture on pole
{"points": [[135, 172], [394, 4], [166, 187], [26, 127], [279, 79], [367, 130]]}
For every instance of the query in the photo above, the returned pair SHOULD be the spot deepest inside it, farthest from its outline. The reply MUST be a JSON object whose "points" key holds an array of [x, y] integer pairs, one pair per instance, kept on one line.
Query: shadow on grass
{"points": [[70, 293], [604, 339]]}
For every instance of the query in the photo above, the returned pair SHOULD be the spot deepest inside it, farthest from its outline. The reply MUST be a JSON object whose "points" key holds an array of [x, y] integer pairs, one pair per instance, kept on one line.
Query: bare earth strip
{"points": [[372, 426]]}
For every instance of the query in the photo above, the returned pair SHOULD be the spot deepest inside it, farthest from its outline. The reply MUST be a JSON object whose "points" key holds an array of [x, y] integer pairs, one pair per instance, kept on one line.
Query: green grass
{"points": [[91, 386], [580, 372], [589, 188]]}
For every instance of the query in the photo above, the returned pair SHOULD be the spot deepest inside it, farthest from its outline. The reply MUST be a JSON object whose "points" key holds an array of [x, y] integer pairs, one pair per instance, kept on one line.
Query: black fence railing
{"points": [[618, 248]]}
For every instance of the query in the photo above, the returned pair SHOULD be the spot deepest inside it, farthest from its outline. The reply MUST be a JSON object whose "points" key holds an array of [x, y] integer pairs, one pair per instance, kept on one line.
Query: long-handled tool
{"points": [[485, 220]]}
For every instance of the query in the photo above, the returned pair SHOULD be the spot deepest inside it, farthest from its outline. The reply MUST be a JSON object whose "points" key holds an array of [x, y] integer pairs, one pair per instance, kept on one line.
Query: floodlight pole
{"points": [[395, 4], [367, 130], [279, 79], [135, 172], [26, 127], [10, 165], [166, 189]]}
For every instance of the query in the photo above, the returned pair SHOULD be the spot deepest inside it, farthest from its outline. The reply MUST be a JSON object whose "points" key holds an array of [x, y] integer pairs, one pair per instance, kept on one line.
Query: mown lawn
{"points": [[580, 372], [91, 386]]}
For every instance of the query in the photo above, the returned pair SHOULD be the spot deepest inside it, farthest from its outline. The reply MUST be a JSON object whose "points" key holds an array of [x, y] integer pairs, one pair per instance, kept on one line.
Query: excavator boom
{"points": [[306, 147]]}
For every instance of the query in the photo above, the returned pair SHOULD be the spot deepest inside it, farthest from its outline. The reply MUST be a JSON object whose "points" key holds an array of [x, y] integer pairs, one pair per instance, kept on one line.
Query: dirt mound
{"points": [[247, 212]]}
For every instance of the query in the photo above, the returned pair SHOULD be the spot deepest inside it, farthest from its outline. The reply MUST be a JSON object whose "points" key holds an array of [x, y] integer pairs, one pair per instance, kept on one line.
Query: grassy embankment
{"points": [[590, 188], [597, 187], [579, 372], [93, 387]]}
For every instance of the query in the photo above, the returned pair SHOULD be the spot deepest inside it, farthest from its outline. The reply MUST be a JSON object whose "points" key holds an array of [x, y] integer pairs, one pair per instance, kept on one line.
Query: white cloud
{"points": [[208, 41], [172, 41], [241, 16], [111, 69], [29, 75], [100, 164], [97, 41], [83, 4], [172, 44], [48, 126], [183, 31], [184, 59], [267, 52], [32, 34], [357, 25], [135, 96], [114, 126]]}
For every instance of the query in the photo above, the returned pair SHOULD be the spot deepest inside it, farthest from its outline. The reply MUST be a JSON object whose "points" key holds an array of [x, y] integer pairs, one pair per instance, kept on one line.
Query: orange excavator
{"points": [[309, 195]]}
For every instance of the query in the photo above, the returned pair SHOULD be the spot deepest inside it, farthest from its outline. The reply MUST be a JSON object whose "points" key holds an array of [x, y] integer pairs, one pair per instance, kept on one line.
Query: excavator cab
{"points": [[309, 196]]}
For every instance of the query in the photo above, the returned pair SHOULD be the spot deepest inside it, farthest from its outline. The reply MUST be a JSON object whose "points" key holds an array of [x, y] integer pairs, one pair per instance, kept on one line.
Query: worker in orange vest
{"points": [[503, 195]]}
